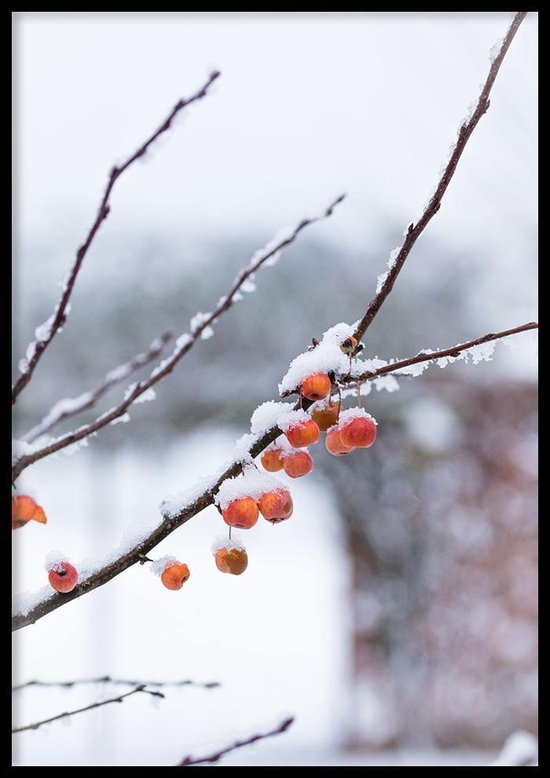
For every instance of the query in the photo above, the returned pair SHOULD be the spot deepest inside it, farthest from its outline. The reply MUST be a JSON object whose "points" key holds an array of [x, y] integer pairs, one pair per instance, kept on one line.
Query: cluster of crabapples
{"points": [[243, 499]]}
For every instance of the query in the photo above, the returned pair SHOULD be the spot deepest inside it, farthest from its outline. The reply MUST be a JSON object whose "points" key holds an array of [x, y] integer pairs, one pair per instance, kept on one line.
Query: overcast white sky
{"points": [[308, 106]]}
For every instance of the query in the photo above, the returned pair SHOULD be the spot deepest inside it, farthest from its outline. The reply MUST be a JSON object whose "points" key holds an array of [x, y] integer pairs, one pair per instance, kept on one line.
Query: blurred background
{"points": [[395, 614]]}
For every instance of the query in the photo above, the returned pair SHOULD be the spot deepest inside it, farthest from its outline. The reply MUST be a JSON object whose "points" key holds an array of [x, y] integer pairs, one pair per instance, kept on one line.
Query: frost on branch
{"points": [[391, 262]]}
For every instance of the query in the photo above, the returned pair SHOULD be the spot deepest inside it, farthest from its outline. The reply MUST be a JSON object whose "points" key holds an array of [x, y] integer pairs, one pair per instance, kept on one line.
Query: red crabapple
{"points": [[174, 575], [334, 444], [297, 464], [315, 387], [271, 460], [233, 560], [276, 505], [302, 434], [326, 416], [23, 509], [359, 432], [241, 513], [63, 577]]}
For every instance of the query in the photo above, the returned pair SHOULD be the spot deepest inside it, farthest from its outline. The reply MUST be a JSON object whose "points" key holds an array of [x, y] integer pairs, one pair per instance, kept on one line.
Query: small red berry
{"points": [[63, 577], [271, 460], [302, 434], [334, 444], [316, 386], [231, 560], [276, 505], [359, 432], [326, 416], [297, 464], [174, 575], [241, 513]]}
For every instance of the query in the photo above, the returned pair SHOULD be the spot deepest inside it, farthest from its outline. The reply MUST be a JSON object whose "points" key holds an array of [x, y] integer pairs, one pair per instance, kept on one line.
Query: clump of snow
{"points": [[146, 397], [414, 370], [53, 559], [224, 542], [521, 748], [129, 390], [354, 413], [327, 357], [387, 382], [390, 263], [481, 353], [197, 325], [283, 447], [288, 419], [248, 285], [159, 565], [183, 341], [266, 416], [495, 48], [252, 483], [241, 451], [120, 420], [173, 504]]}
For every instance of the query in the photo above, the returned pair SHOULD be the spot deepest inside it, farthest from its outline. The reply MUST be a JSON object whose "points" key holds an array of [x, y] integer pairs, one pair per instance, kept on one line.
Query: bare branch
{"points": [[215, 757], [453, 351], [74, 405], [139, 689], [183, 345], [171, 523], [415, 230], [49, 329], [113, 682]]}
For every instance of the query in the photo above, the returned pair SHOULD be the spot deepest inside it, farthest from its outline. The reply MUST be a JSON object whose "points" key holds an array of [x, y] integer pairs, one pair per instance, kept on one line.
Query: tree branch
{"points": [[215, 757], [453, 351], [415, 230], [139, 689], [46, 332], [113, 682], [74, 405], [171, 523], [183, 345]]}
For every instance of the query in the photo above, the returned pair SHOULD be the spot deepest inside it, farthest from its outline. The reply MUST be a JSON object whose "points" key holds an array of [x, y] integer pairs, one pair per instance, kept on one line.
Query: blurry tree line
{"points": [[438, 518]]}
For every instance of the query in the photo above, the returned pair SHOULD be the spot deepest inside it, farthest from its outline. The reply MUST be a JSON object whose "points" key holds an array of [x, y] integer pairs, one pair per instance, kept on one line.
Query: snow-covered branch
{"points": [[200, 326], [71, 406], [67, 714], [217, 755], [399, 255], [46, 332], [264, 430]]}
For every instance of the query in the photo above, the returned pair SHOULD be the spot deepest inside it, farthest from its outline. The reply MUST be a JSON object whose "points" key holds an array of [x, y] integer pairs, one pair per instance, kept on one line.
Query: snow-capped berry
{"points": [[174, 575], [334, 444], [231, 559], [63, 576], [316, 386], [241, 513], [326, 416], [271, 460], [297, 464], [303, 433], [358, 433], [349, 345], [276, 505]]}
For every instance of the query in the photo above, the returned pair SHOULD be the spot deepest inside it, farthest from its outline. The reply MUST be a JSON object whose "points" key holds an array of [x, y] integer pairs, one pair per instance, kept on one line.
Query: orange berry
{"points": [[302, 434], [174, 575], [231, 560], [63, 577], [271, 460], [241, 513], [276, 505], [359, 432], [297, 464], [316, 386], [334, 444], [23, 509], [326, 416]]}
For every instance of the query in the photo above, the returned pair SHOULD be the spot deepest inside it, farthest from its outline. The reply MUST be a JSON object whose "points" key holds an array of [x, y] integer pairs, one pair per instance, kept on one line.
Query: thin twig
{"points": [[114, 682], [430, 356], [75, 405], [186, 343], [171, 523], [415, 230], [215, 757], [60, 312], [139, 689]]}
